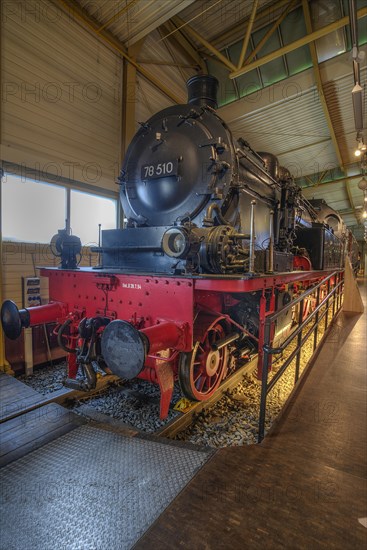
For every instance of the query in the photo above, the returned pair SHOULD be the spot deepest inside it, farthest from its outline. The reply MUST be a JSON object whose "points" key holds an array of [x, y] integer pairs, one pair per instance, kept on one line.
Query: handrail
{"points": [[304, 295], [302, 326], [334, 293], [287, 362]]}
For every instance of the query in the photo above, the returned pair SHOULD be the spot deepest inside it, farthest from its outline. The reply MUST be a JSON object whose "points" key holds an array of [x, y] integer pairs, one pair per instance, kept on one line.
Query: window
{"points": [[250, 82], [275, 70], [292, 28], [33, 211], [324, 13], [226, 92], [87, 211]]}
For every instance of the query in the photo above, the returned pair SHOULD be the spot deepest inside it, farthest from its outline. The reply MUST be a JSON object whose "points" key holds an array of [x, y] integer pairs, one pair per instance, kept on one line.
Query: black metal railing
{"points": [[333, 297]]}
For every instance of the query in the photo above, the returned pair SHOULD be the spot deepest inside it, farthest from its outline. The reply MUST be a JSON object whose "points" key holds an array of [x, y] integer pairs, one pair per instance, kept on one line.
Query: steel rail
{"points": [[180, 423]]}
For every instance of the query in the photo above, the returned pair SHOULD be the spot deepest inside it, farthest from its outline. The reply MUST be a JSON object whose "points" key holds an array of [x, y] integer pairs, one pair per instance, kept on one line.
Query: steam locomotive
{"points": [[217, 237]]}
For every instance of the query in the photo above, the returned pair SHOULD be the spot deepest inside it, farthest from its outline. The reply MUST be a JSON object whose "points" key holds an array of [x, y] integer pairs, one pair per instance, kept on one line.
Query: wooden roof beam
{"points": [[117, 15], [108, 38], [172, 53], [270, 32], [350, 199], [179, 40], [146, 61], [247, 37], [227, 35], [330, 182], [197, 36], [319, 85], [297, 44]]}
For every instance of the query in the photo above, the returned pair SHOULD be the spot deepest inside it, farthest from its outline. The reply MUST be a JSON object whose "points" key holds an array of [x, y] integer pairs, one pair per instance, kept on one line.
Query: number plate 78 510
{"points": [[159, 170]]}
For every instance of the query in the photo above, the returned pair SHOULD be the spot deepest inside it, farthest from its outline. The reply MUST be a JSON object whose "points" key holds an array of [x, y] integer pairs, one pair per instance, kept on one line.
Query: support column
{"points": [[128, 111], [129, 98], [4, 365]]}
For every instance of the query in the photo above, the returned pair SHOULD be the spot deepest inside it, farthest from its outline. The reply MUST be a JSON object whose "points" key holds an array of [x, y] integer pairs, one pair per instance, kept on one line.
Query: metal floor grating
{"points": [[90, 489]]}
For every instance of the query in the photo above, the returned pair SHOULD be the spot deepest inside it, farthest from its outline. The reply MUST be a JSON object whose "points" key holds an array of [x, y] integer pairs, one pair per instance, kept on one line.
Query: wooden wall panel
{"points": [[61, 104], [22, 259]]}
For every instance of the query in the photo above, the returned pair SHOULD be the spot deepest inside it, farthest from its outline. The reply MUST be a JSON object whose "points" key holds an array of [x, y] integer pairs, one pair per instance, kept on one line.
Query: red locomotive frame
{"points": [[182, 318]]}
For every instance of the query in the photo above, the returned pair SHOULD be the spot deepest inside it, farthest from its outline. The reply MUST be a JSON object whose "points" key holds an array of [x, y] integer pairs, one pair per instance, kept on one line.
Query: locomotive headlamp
{"points": [[176, 242]]}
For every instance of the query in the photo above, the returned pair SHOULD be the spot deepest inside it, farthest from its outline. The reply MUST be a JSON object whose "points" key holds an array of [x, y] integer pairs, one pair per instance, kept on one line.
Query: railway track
{"points": [[61, 397], [180, 422], [127, 407], [184, 420]]}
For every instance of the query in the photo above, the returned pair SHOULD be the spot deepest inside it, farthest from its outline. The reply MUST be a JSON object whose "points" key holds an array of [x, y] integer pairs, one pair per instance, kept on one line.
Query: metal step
{"points": [[91, 489]]}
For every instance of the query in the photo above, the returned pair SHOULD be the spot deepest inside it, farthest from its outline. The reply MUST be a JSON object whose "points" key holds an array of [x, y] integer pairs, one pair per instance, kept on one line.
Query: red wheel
{"points": [[202, 370], [309, 306]]}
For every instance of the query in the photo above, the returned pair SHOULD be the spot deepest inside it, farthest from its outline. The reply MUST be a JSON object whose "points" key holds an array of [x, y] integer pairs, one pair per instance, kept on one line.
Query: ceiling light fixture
{"points": [[357, 98], [361, 146], [362, 184]]}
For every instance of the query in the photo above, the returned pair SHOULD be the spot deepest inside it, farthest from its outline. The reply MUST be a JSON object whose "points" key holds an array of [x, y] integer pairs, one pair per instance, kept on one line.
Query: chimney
{"points": [[202, 90]]}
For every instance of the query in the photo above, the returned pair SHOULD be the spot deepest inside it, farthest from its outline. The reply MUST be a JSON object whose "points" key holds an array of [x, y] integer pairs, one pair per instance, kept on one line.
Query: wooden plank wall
{"points": [[21, 260]]}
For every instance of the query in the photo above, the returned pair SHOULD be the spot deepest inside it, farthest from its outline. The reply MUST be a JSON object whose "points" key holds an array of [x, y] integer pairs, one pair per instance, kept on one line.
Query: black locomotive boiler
{"points": [[197, 201], [217, 237]]}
